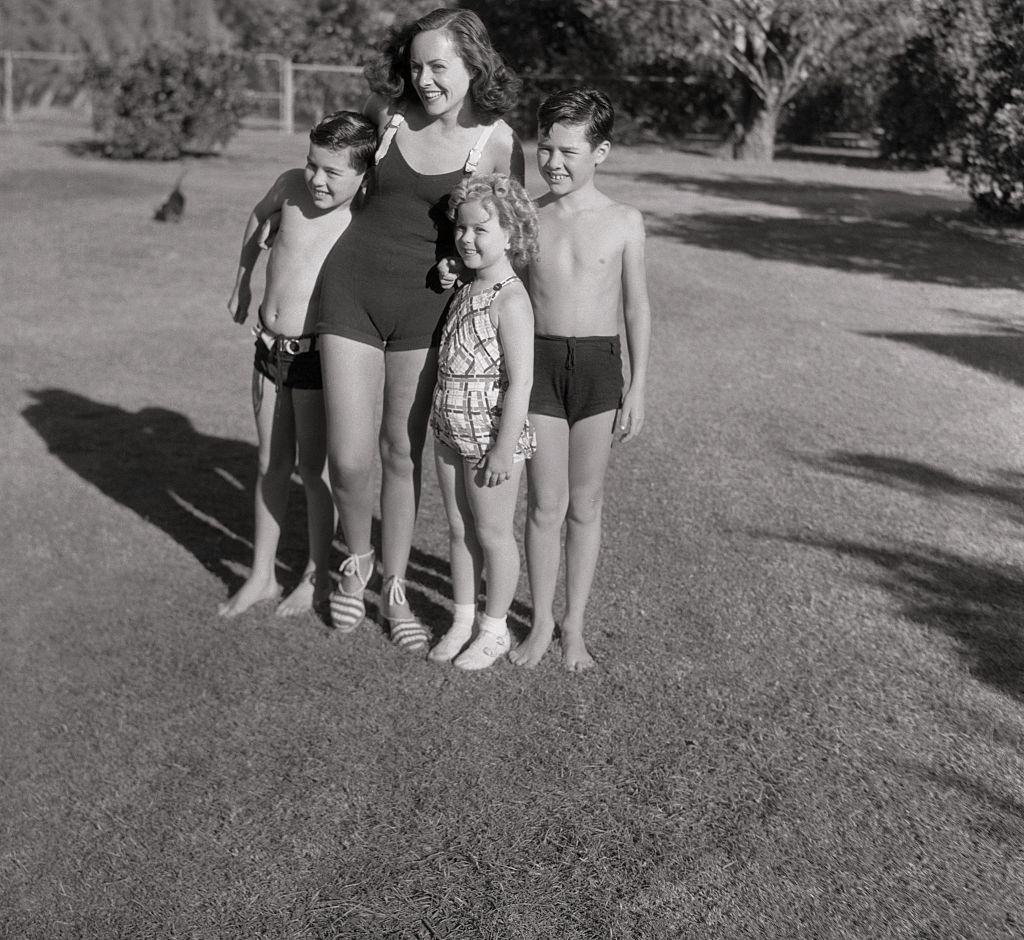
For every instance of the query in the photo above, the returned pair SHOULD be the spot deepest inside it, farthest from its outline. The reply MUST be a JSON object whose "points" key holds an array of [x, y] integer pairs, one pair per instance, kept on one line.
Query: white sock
{"points": [[494, 625], [463, 616]]}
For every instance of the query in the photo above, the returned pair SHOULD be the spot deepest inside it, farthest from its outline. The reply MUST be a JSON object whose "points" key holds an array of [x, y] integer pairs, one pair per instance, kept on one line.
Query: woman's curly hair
{"points": [[494, 88], [516, 212]]}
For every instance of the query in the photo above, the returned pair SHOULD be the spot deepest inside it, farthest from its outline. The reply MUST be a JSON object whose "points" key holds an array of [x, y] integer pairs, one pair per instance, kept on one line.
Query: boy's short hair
{"points": [[586, 106], [347, 130]]}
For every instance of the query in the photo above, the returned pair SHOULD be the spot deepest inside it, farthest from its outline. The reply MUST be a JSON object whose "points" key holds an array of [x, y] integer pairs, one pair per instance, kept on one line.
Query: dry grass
{"points": [[809, 716]]}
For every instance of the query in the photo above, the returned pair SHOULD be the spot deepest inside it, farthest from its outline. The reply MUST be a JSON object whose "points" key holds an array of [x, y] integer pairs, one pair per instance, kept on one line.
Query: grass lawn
{"points": [[808, 716]]}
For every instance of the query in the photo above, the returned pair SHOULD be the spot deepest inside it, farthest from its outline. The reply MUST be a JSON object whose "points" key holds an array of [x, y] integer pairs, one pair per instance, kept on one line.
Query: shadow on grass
{"points": [[1007, 490], [978, 603], [198, 489], [899, 235], [195, 487], [1000, 353]]}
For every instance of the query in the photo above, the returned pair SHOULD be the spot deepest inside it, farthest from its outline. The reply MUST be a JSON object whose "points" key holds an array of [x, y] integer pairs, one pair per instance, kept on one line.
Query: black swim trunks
{"points": [[286, 369], [576, 377]]}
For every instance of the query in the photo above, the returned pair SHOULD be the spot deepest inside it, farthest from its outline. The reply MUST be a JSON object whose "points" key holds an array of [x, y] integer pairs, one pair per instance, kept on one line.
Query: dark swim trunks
{"points": [[576, 377], [286, 369]]}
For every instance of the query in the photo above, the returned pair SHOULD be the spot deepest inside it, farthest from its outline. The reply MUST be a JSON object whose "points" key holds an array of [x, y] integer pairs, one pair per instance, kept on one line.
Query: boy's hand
{"points": [[238, 305], [268, 231], [630, 417], [449, 270], [494, 468]]}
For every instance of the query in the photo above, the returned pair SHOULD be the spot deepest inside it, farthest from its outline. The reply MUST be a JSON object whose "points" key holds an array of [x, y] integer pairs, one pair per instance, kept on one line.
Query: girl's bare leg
{"points": [[275, 430], [310, 435], [548, 500], [409, 378], [352, 376], [466, 554], [590, 443], [494, 509]]}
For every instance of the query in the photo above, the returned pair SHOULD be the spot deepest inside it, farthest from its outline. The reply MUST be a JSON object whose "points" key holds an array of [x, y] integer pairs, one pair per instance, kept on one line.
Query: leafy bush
{"points": [[919, 109], [991, 144], [167, 101]]}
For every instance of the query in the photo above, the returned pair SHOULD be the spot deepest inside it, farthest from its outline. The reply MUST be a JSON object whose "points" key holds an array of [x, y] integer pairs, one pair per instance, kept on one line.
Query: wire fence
{"points": [[282, 92]]}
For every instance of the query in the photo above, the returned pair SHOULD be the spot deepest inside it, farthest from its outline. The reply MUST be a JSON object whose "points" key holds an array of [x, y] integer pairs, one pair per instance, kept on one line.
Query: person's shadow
{"points": [[195, 487], [198, 489]]}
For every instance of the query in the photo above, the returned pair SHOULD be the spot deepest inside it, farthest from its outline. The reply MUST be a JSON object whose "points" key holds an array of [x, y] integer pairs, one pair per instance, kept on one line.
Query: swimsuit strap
{"points": [[397, 119], [497, 287], [478, 149]]}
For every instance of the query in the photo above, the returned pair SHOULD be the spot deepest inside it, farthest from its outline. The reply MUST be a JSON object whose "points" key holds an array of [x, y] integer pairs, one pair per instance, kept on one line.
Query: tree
{"points": [[765, 49]]}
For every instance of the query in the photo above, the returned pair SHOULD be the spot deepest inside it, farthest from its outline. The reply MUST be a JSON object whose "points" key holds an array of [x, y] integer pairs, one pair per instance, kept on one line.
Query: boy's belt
{"points": [[293, 345]]}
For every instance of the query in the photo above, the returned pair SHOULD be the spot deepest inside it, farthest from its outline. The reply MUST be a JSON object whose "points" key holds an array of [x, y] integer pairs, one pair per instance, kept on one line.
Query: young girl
{"points": [[484, 377]]}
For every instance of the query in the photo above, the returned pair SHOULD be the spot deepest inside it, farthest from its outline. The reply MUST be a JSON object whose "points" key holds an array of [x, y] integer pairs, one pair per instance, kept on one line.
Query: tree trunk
{"points": [[755, 132]]}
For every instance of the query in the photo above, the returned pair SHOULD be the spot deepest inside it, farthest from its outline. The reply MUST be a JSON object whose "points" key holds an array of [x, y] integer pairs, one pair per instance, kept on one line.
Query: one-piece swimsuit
{"points": [[471, 379], [379, 283]]}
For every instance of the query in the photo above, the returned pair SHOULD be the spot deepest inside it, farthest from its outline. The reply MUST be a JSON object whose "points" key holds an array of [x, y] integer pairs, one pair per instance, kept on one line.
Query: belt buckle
{"points": [[292, 346]]}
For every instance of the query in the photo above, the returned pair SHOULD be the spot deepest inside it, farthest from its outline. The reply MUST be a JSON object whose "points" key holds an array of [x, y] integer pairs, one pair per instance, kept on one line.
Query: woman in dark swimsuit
{"points": [[439, 90]]}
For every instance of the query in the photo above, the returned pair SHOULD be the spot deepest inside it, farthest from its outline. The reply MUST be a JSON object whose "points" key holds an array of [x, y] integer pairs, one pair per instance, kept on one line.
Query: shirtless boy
{"points": [[591, 258], [311, 208]]}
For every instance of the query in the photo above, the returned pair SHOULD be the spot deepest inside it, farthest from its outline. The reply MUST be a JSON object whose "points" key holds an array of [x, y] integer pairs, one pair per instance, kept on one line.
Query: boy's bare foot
{"points": [[531, 651], [252, 592], [304, 599], [575, 657]]}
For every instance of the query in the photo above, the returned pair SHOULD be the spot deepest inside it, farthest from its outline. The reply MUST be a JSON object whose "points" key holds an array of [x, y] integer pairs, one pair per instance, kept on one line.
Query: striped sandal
{"points": [[348, 610], [407, 633]]}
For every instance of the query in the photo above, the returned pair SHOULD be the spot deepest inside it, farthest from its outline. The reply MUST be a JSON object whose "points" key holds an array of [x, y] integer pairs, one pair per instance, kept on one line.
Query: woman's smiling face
{"points": [[438, 73]]}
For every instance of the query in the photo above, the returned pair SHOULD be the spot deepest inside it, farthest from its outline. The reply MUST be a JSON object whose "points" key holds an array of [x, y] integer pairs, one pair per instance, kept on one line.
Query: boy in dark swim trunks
{"points": [[591, 256], [309, 208]]}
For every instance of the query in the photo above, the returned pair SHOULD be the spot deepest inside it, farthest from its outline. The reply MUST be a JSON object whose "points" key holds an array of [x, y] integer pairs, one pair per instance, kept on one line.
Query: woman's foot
{"points": [[406, 630], [531, 651], [347, 607], [254, 591]]}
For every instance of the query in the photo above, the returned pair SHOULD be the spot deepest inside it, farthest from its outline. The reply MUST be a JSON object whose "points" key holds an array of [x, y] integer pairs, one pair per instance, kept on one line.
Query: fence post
{"points": [[287, 96], [8, 116]]}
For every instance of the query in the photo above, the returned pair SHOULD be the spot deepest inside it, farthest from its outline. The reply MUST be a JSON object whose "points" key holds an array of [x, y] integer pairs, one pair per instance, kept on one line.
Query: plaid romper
{"points": [[471, 379]]}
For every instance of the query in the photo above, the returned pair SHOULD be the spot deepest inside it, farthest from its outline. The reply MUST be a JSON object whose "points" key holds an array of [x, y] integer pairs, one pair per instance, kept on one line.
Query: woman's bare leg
{"points": [[352, 375], [409, 378]]}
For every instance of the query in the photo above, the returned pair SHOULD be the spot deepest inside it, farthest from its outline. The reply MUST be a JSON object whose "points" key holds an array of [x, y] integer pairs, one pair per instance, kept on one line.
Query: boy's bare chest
{"points": [[303, 231], [583, 245]]}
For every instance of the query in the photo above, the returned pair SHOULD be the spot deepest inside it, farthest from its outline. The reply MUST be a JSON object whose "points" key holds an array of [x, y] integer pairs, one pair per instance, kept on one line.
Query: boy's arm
{"points": [[241, 296], [514, 321], [636, 310]]}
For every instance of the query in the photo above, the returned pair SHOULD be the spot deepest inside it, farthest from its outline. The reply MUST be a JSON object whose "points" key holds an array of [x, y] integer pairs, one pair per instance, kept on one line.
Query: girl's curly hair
{"points": [[516, 212], [494, 88]]}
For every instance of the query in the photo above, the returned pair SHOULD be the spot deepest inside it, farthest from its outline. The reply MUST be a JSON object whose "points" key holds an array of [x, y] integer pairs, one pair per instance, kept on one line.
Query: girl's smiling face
{"points": [[438, 73], [479, 237]]}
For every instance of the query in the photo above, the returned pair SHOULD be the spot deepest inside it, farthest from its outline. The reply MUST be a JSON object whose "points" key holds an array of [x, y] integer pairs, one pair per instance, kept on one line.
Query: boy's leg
{"points": [[275, 430], [352, 373], [409, 378], [590, 441], [548, 500], [310, 435]]}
